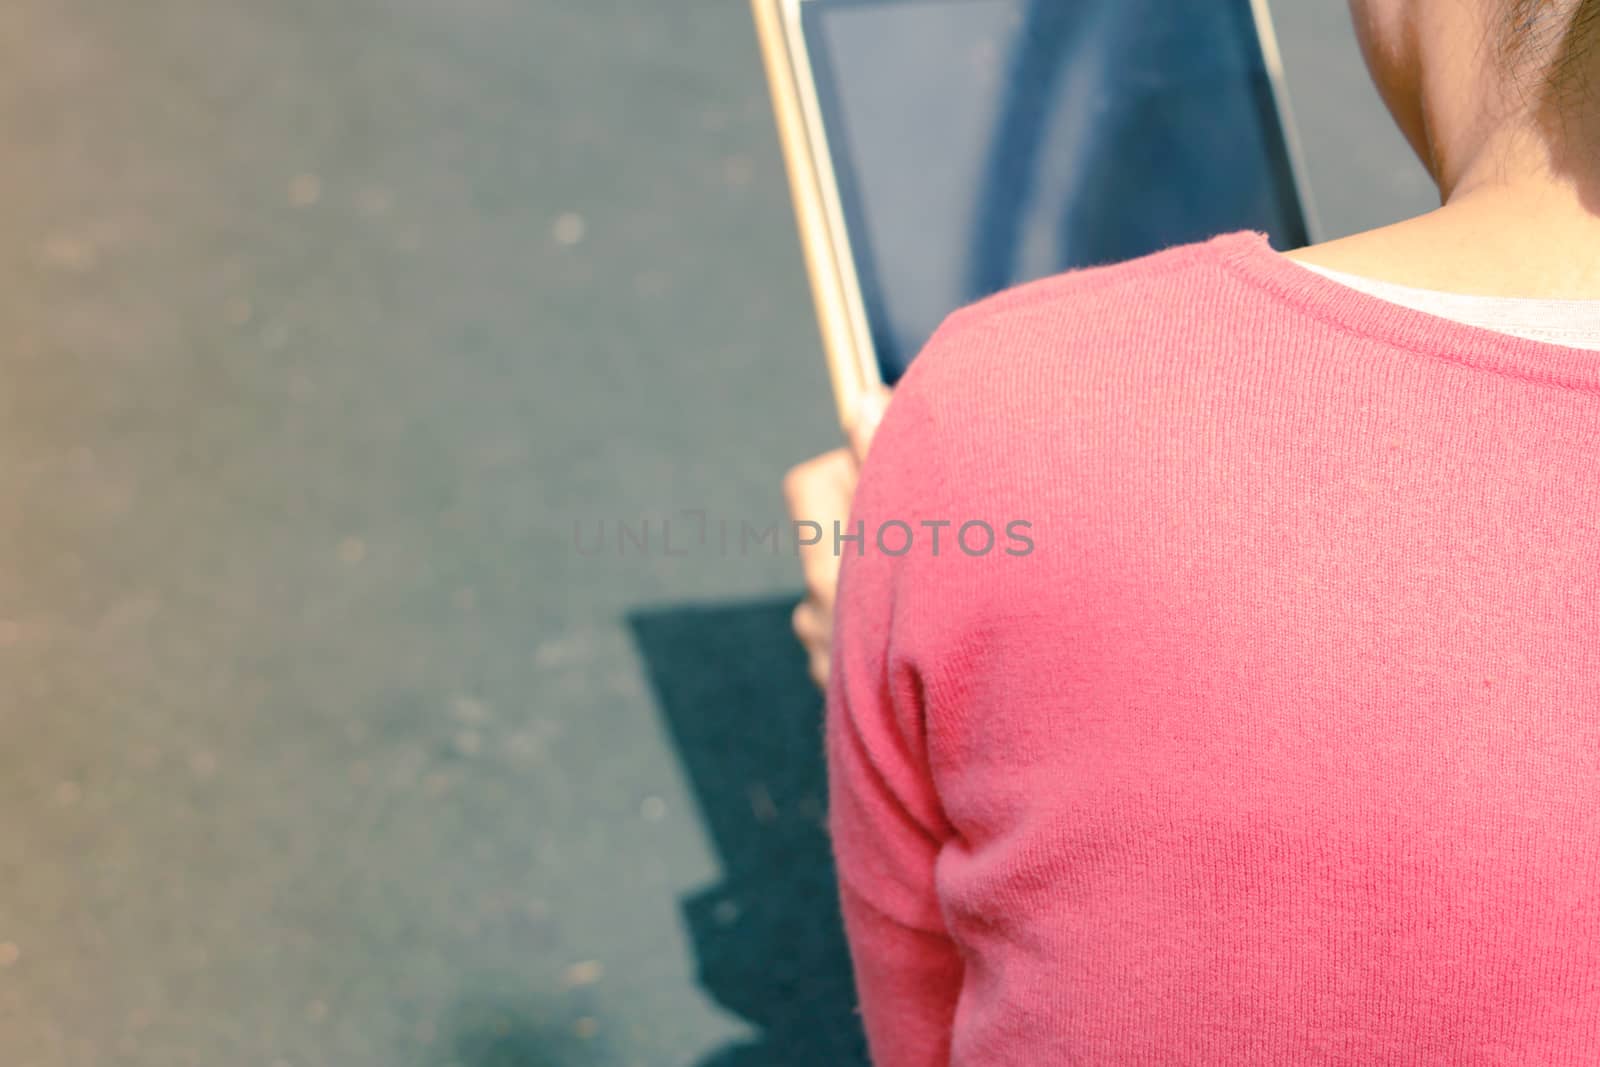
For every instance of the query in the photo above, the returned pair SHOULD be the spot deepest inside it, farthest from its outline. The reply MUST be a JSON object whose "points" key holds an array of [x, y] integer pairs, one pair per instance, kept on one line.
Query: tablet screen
{"points": [[981, 143]]}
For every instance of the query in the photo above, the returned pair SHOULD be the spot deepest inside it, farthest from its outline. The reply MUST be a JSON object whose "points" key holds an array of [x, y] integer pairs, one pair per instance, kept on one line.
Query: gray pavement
{"points": [[321, 324]]}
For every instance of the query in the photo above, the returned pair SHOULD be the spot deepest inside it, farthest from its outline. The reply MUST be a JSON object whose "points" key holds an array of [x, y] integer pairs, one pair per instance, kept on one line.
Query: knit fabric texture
{"points": [[1216, 680]]}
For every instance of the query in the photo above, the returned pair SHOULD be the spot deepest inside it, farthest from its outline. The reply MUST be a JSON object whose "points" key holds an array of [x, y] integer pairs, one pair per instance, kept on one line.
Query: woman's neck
{"points": [[1531, 236]]}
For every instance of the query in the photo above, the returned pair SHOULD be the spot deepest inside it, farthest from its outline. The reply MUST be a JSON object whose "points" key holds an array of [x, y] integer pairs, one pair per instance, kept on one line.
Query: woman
{"points": [[1282, 744]]}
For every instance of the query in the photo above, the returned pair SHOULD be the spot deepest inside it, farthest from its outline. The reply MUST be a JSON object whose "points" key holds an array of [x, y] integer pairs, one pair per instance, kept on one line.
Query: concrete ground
{"points": [[321, 324]]}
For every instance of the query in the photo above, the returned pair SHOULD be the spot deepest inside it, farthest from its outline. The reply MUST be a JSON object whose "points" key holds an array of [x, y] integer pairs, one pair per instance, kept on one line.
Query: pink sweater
{"points": [[1281, 745]]}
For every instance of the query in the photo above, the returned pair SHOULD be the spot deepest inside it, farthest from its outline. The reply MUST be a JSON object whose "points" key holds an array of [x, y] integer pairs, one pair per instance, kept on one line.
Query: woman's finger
{"points": [[814, 627], [812, 624], [819, 492], [819, 667], [869, 412]]}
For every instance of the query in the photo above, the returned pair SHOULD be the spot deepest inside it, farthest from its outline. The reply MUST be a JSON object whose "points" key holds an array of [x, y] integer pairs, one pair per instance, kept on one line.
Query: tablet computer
{"points": [[942, 150]]}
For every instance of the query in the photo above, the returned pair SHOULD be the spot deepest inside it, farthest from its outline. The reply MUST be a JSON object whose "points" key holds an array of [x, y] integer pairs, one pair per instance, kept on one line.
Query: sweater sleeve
{"points": [[885, 818]]}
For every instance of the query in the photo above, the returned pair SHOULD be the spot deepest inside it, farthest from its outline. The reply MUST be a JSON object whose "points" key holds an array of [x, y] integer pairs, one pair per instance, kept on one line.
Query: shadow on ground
{"points": [[747, 723]]}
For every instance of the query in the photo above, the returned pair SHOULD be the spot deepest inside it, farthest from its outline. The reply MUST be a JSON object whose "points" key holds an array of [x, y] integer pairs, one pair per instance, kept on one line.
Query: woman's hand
{"points": [[819, 490]]}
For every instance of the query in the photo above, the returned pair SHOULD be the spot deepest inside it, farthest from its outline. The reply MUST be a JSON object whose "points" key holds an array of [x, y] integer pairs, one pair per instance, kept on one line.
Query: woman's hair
{"points": [[1555, 39], [1549, 51]]}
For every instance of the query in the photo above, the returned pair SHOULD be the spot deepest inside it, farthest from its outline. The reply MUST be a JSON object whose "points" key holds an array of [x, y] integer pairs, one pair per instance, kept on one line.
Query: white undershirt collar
{"points": [[1575, 323]]}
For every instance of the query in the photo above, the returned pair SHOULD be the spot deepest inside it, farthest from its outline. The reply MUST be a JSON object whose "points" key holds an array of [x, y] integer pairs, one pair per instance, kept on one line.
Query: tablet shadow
{"points": [[747, 722]]}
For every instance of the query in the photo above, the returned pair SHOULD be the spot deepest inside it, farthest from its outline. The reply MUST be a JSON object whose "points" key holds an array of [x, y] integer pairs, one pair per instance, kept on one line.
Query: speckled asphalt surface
{"points": [[321, 324]]}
